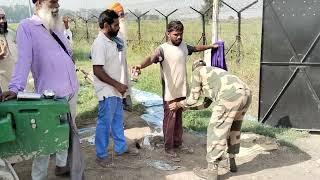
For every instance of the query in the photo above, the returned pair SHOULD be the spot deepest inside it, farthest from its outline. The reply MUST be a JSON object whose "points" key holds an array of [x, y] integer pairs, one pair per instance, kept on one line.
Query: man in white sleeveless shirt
{"points": [[172, 57]]}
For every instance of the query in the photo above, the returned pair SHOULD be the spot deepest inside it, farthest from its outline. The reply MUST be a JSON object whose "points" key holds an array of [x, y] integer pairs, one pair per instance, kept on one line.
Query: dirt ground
{"points": [[300, 162]]}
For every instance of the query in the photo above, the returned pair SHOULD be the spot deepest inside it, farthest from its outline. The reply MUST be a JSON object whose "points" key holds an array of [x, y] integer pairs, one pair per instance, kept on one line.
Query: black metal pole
{"points": [[167, 25], [203, 35], [87, 31], [139, 29], [204, 39], [75, 25], [239, 38], [239, 24], [139, 23]]}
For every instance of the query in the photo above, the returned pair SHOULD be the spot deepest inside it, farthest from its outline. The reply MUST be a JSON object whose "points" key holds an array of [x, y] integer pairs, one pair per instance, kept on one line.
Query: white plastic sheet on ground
{"points": [[162, 165], [153, 104], [87, 135]]}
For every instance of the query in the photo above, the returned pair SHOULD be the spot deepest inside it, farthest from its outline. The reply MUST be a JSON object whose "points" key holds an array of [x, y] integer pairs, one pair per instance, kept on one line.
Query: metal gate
{"points": [[290, 64]]}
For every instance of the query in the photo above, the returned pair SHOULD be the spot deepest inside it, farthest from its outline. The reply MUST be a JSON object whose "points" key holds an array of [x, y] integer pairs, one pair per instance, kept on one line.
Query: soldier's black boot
{"points": [[233, 166]]}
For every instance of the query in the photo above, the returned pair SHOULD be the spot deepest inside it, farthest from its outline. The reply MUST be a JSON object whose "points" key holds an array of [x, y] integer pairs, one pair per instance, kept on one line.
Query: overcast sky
{"points": [[76, 4], [163, 5]]}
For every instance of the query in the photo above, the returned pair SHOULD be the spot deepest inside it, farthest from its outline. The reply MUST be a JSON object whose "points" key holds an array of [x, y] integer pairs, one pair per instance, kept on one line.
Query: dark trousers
{"points": [[172, 126]]}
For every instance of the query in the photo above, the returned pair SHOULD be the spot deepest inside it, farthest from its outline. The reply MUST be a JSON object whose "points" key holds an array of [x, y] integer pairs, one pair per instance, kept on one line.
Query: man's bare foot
{"points": [[173, 156], [185, 149]]}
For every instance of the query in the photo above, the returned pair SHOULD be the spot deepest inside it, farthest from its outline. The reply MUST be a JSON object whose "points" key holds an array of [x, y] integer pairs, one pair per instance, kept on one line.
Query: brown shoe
{"points": [[62, 171], [105, 163]]}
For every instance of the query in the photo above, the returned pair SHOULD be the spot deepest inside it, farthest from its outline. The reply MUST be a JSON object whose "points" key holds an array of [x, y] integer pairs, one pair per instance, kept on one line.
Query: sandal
{"points": [[173, 156], [186, 149]]}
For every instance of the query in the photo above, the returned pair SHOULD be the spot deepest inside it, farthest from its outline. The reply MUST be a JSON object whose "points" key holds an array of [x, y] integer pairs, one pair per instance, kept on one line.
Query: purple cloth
{"points": [[52, 68], [218, 56]]}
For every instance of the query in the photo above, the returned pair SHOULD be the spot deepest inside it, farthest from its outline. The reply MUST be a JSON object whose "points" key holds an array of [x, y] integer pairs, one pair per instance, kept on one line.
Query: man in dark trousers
{"points": [[172, 57]]}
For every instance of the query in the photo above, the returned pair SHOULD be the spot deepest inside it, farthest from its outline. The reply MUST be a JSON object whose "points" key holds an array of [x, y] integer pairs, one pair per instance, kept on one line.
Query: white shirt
{"points": [[105, 52], [68, 34]]}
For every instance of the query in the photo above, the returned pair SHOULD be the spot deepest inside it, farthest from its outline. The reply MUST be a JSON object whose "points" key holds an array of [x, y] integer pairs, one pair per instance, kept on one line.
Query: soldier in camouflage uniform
{"points": [[231, 98]]}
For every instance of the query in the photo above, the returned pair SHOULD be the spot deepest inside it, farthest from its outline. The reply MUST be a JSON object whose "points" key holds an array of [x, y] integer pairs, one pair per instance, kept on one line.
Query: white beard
{"points": [[50, 22], [123, 29]]}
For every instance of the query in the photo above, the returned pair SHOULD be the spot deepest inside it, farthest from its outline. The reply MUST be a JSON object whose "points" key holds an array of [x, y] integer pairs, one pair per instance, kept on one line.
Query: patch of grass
{"points": [[284, 136], [199, 120], [196, 120], [81, 50], [13, 26], [87, 100]]}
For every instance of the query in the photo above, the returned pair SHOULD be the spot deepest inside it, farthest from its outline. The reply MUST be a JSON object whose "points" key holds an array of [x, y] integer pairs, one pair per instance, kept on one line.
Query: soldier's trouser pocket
{"points": [[217, 133], [225, 125]]}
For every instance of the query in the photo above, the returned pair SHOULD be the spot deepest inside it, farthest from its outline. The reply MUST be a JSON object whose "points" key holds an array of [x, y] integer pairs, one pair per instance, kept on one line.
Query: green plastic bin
{"points": [[31, 128]]}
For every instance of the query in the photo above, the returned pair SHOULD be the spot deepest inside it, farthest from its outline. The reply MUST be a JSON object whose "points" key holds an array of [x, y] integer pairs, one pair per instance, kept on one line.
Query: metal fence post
{"points": [[139, 23], [86, 21], [238, 36], [167, 20], [203, 37]]}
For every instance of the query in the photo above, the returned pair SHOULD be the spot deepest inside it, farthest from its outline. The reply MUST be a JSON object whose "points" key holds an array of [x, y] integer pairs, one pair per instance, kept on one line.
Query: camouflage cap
{"points": [[198, 63]]}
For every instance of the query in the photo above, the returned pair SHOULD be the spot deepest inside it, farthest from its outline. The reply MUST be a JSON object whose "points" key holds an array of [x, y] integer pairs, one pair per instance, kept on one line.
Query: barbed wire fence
{"points": [[141, 28], [233, 15]]}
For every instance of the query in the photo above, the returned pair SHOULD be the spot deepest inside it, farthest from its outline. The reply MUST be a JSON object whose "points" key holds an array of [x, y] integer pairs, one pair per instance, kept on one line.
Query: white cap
{"points": [[2, 11]]}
